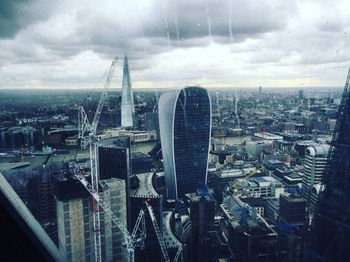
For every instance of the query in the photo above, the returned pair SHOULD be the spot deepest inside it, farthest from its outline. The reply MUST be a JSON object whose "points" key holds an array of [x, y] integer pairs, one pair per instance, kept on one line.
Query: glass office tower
{"points": [[185, 126]]}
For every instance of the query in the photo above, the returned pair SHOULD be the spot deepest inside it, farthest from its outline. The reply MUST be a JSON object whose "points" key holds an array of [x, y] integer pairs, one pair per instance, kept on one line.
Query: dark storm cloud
{"points": [[185, 21], [19, 14], [10, 17], [75, 35]]}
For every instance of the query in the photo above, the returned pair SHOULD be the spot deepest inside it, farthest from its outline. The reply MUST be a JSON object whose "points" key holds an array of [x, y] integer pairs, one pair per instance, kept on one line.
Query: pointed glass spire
{"points": [[127, 109]]}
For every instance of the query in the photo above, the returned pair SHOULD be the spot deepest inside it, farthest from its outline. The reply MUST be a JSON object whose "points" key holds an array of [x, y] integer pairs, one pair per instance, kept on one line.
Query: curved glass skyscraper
{"points": [[185, 126]]}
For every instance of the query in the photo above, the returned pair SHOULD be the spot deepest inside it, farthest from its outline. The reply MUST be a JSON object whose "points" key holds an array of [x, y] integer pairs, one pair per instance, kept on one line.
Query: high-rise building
{"points": [[185, 126], [127, 108], [301, 94], [203, 241], [331, 231], [113, 160], [314, 165], [75, 220]]}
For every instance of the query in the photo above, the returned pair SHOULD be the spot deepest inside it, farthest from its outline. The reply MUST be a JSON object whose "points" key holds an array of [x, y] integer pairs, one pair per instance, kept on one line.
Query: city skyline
{"points": [[247, 204], [70, 45]]}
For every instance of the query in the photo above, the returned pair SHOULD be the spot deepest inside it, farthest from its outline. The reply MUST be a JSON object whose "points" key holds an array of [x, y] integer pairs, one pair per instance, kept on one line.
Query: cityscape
{"points": [[182, 175], [175, 131]]}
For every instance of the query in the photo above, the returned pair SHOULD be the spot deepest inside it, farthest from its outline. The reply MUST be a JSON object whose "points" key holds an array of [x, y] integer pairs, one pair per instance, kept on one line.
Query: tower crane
{"points": [[160, 238], [137, 236], [157, 230], [85, 126]]}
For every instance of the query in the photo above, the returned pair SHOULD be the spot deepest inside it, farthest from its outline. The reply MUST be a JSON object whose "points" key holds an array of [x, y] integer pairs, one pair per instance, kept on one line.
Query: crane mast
{"points": [[103, 97], [84, 126], [138, 235], [157, 230]]}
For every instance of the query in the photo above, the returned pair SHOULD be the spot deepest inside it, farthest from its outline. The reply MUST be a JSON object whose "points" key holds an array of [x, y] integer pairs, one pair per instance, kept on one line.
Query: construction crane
{"points": [[84, 126], [138, 235], [160, 238], [131, 240], [178, 253], [157, 230]]}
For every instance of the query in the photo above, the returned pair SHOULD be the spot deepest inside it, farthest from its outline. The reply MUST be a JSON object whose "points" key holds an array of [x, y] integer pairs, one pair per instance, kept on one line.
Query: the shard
{"points": [[330, 238], [127, 108]]}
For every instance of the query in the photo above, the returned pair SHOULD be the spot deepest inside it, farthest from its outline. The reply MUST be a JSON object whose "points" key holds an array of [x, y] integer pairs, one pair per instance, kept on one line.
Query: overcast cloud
{"points": [[214, 43]]}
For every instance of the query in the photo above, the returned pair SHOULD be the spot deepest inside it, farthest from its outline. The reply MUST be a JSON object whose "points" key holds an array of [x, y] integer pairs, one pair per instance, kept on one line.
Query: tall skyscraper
{"points": [[185, 126], [314, 165], [114, 161], [331, 231], [127, 109], [75, 222]]}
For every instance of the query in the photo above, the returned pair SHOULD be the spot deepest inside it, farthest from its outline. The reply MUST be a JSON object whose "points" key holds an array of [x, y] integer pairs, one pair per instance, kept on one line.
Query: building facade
{"points": [[331, 230], [314, 165], [75, 221], [185, 126], [113, 160]]}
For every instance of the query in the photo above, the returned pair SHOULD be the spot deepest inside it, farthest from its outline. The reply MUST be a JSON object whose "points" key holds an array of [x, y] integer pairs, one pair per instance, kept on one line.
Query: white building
{"points": [[314, 165]]}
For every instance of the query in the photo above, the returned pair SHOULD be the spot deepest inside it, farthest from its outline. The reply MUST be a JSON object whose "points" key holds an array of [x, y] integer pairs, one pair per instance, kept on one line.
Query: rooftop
{"points": [[268, 136], [145, 186]]}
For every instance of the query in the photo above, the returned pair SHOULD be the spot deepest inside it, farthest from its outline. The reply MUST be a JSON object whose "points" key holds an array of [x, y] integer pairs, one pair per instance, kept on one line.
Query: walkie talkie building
{"points": [[185, 126]]}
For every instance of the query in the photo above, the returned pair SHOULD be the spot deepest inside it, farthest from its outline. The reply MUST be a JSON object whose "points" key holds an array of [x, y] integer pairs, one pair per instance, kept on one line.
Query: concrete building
{"points": [[185, 126], [75, 222], [254, 148], [265, 187], [314, 165], [222, 178], [292, 209], [250, 237], [127, 108]]}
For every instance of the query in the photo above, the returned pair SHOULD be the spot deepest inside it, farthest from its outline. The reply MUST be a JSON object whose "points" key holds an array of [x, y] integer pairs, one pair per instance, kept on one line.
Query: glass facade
{"points": [[185, 126], [331, 229], [127, 108]]}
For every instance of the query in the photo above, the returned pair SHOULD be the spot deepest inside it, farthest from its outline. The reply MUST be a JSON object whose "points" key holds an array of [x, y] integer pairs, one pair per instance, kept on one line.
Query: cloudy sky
{"points": [[213, 43]]}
